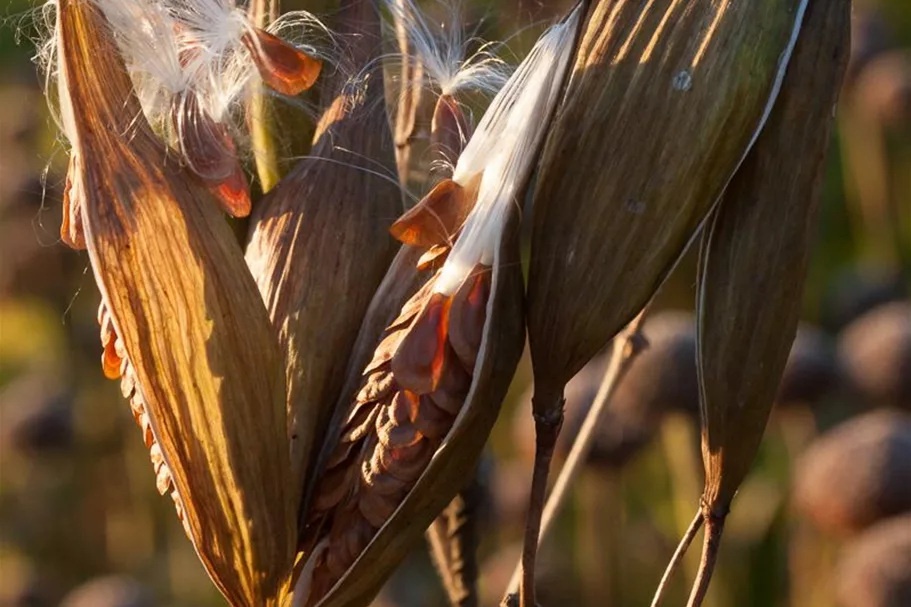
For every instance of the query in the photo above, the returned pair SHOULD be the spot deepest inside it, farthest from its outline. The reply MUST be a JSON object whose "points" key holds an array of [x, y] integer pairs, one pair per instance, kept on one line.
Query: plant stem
{"points": [[261, 119], [626, 346], [681, 551], [714, 526]]}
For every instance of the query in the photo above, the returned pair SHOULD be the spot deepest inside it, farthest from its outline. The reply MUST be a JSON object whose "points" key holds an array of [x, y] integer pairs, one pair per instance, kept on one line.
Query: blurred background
{"points": [[824, 519]]}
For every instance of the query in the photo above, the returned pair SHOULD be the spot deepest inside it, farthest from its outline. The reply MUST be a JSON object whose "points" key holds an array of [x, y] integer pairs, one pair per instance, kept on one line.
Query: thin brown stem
{"points": [[674, 564], [714, 527], [626, 346], [547, 429]]}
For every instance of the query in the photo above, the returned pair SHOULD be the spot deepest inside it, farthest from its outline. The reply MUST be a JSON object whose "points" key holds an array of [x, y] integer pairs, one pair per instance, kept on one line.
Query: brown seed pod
{"points": [[426, 403], [883, 89], [186, 317], [670, 129], [874, 570], [753, 264], [856, 474], [811, 372], [319, 243], [662, 378], [876, 353], [657, 117], [110, 591]]}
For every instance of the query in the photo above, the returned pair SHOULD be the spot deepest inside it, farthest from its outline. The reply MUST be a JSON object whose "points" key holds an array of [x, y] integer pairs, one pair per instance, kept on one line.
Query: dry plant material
{"points": [[665, 100], [426, 401], [874, 570], [182, 323], [753, 264], [426, 404], [856, 474], [319, 243]]}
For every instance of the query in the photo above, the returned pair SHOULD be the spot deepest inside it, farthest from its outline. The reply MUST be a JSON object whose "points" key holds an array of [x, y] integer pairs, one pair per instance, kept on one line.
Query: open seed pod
{"points": [[658, 115], [873, 570], [876, 352], [319, 243], [423, 406], [182, 323], [753, 265], [856, 474]]}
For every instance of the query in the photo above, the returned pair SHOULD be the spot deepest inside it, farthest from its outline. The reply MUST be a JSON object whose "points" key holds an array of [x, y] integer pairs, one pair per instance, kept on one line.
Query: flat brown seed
{"points": [[468, 315], [432, 421], [282, 67], [420, 359], [435, 220]]}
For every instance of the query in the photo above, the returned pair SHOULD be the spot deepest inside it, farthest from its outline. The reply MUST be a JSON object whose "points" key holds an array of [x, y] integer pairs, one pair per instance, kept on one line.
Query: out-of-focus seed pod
{"points": [[876, 352], [811, 372], [883, 89], [753, 265], [187, 325], [856, 291], [874, 570], [112, 591], [319, 243], [658, 115], [856, 474], [661, 379]]}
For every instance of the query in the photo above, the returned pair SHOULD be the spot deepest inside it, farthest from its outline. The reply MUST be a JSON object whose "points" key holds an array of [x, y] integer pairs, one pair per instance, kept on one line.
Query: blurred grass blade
{"points": [[753, 264]]}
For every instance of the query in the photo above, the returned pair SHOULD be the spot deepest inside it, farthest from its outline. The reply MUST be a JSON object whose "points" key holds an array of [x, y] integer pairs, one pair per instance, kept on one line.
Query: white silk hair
{"points": [[503, 150], [444, 51]]}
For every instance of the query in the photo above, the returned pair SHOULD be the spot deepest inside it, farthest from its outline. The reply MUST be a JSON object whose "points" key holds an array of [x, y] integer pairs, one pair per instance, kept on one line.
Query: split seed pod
{"points": [[421, 409], [664, 102], [197, 352], [319, 244], [753, 264]]}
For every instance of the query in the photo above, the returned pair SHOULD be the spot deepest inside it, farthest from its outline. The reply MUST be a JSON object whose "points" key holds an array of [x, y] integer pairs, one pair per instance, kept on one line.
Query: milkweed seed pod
{"points": [[873, 570], [319, 243], [182, 323], [447, 68], [876, 352], [426, 402], [753, 263], [192, 62], [665, 100], [856, 474]]}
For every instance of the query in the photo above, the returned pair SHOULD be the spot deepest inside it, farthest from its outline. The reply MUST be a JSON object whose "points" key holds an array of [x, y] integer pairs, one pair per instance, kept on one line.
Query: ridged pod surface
{"points": [[665, 99], [183, 324], [753, 264], [319, 243]]}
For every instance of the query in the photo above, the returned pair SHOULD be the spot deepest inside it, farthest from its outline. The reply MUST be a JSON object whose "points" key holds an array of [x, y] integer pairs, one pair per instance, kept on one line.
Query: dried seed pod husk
{"points": [[874, 570], [456, 453], [753, 265], [319, 244], [857, 474], [187, 317], [453, 538], [876, 353], [658, 114]]}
